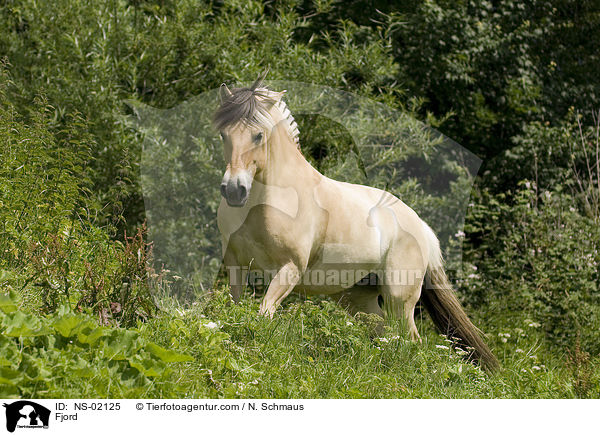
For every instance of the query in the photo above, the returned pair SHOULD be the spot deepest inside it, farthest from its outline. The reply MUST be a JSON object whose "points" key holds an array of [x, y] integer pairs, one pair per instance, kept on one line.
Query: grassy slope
{"points": [[313, 349], [310, 349]]}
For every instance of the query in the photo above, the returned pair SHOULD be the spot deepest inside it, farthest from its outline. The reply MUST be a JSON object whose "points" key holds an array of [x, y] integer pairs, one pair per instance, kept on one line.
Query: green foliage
{"points": [[537, 248], [537, 254], [52, 250], [494, 66], [474, 60], [70, 355], [562, 156], [90, 58], [498, 65], [313, 349]]}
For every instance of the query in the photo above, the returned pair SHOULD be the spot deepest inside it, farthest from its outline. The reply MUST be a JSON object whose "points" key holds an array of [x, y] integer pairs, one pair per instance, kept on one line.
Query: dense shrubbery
{"points": [[537, 246], [67, 355], [53, 250], [492, 67], [539, 256], [90, 58]]}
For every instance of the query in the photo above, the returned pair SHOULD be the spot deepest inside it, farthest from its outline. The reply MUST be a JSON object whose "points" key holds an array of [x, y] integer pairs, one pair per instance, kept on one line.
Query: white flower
{"points": [[349, 323], [211, 325], [460, 234], [536, 368], [519, 351], [441, 346]]}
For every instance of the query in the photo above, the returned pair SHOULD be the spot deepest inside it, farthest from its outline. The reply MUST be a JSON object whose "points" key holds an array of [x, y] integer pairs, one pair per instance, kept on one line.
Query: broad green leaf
{"points": [[9, 353], [167, 355], [34, 368], [89, 332], [68, 324], [120, 344], [19, 324], [10, 376], [8, 303], [147, 366], [81, 368]]}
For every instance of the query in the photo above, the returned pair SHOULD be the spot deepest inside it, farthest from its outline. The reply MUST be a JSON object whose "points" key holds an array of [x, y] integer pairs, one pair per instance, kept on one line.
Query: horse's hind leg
{"points": [[401, 285]]}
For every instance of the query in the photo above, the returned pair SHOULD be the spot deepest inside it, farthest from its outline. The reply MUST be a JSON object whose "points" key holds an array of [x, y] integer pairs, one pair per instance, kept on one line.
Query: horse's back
{"points": [[356, 204]]}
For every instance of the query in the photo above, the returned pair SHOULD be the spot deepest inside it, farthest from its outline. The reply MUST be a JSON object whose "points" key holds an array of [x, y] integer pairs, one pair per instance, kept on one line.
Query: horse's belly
{"points": [[327, 278]]}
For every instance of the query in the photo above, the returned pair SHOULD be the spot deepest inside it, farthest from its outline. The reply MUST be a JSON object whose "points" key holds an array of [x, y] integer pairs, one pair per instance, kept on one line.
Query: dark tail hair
{"points": [[449, 317]]}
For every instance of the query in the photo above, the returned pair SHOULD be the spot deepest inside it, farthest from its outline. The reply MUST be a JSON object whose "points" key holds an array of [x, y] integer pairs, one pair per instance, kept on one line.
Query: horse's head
{"points": [[245, 120]]}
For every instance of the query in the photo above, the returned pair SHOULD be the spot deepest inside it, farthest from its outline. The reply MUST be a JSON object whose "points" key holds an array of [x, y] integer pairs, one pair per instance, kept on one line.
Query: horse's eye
{"points": [[258, 137], [222, 135]]}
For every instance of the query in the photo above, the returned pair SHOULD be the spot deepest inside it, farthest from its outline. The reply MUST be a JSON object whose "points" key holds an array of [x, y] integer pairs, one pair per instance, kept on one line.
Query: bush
{"points": [[52, 250], [69, 355], [537, 255]]}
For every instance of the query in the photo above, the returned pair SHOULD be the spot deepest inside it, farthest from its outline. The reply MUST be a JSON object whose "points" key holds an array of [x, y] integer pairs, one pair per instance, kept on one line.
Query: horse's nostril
{"points": [[242, 191], [223, 189]]}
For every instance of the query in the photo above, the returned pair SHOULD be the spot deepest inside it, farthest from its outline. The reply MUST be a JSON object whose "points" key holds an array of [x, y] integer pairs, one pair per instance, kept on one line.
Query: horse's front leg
{"points": [[281, 285], [237, 275]]}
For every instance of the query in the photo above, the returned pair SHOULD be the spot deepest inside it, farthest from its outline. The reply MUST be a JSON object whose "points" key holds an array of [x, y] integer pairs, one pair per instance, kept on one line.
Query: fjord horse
{"points": [[315, 235]]}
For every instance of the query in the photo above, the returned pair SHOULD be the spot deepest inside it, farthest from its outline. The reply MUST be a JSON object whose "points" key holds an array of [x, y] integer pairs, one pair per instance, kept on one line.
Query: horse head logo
{"points": [[26, 413]]}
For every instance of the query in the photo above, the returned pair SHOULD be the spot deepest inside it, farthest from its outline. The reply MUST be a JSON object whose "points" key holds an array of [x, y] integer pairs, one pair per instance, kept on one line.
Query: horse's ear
{"points": [[224, 92], [259, 81]]}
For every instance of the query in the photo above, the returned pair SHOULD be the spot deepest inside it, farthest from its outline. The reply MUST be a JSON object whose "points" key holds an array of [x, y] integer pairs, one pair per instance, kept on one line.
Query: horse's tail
{"points": [[447, 313]]}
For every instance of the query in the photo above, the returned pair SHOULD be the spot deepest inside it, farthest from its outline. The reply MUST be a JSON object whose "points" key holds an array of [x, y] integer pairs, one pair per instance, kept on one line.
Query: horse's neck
{"points": [[286, 167]]}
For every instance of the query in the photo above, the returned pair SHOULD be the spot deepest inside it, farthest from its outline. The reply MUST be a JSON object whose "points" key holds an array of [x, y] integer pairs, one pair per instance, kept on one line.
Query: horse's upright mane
{"points": [[252, 105]]}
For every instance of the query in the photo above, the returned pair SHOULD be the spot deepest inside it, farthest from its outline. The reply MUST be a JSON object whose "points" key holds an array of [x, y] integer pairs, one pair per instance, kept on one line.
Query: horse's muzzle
{"points": [[236, 188]]}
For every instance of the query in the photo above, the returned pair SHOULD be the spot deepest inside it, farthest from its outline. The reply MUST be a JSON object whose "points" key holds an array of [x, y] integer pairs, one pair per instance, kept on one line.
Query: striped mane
{"points": [[254, 106], [291, 122]]}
